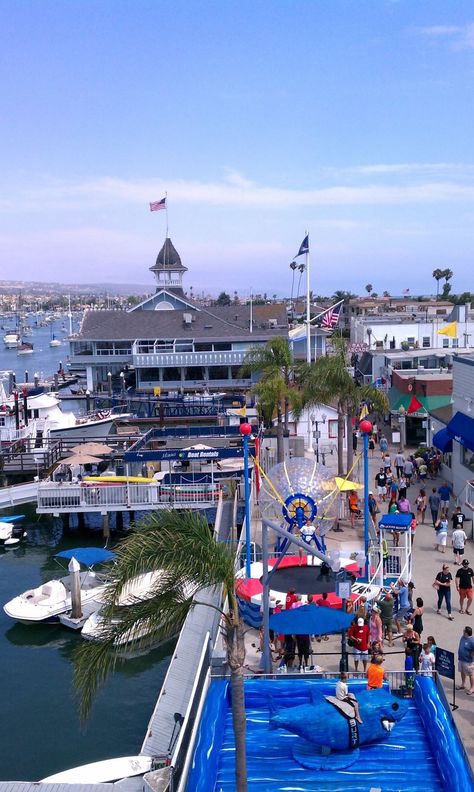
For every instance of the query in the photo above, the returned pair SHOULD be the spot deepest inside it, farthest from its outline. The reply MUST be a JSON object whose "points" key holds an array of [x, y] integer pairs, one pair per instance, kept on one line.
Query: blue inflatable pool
{"points": [[421, 753]]}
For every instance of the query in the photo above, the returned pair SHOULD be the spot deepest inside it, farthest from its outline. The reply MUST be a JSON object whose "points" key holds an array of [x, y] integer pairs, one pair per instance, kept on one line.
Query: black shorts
{"points": [[458, 550]]}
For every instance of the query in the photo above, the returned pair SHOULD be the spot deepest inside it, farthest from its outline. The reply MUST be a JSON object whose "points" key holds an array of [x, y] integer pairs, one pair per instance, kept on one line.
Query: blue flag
{"points": [[304, 247]]}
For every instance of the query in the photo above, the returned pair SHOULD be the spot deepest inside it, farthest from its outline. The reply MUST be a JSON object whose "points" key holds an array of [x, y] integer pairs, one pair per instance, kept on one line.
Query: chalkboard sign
{"points": [[444, 663]]}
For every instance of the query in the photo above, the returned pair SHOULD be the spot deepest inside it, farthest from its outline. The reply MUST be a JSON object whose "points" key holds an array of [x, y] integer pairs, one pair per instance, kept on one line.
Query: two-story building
{"points": [[172, 342]]}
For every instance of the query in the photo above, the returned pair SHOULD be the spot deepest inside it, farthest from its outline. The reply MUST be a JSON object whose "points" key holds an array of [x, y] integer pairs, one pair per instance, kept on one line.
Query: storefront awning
{"points": [[443, 440], [461, 429]]}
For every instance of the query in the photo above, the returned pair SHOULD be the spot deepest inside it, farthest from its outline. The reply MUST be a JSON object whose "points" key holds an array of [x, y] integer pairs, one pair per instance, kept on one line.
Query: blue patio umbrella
{"points": [[399, 521], [88, 555], [310, 620]]}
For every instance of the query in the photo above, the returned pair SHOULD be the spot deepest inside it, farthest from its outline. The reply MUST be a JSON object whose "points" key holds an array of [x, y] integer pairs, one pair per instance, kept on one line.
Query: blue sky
{"points": [[260, 119]]}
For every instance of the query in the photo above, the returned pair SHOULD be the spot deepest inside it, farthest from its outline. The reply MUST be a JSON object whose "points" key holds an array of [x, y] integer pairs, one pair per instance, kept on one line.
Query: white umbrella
{"points": [[95, 449], [80, 459], [199, 447]]}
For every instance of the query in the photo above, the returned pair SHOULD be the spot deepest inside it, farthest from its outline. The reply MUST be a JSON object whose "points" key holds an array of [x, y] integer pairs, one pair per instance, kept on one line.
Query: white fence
{"points": [[65, 497]]}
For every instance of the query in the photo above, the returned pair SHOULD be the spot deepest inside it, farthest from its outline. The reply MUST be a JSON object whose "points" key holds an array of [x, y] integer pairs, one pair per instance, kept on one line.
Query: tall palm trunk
{"points": [[280, 441], [286, 414], [349, 450], [235, 644], [340, 439]]}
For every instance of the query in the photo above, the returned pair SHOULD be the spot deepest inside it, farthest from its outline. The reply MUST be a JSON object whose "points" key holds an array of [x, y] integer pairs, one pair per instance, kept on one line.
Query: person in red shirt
{"points": [[290, 599], [359, 635]]}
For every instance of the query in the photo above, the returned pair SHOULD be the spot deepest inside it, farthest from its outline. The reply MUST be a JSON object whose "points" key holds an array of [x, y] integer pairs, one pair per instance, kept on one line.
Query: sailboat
{"points": [[55, 342]]}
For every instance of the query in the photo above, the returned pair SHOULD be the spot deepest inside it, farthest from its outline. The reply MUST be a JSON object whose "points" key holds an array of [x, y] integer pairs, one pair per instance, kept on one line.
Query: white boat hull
{"points": [[90, 429], [44, 604], [103, 772]]}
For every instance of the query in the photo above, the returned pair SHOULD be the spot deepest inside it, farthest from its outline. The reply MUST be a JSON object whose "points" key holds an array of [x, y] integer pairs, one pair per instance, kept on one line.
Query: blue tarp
{"points": [[443, 440], [400, 521], [310, 619], [88, 555], [461, 429]]}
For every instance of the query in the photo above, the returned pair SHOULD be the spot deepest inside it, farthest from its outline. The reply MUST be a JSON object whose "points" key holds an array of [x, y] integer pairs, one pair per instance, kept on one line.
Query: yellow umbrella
{"points": [[346, 486]]}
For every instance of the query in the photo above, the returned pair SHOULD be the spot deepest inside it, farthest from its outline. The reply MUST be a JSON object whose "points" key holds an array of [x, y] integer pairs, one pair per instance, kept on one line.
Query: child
{"points": [[427, 661], [342, 694]]}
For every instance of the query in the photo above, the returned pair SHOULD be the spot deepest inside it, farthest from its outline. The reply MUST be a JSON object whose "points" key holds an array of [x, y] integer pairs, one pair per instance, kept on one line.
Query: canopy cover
{"points": [[310, 620], [88, 555]]}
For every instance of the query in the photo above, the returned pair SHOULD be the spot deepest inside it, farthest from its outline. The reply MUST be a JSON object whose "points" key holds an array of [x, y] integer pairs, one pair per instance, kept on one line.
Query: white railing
{"points": [[56, 497], [176, 359], [470, 494]]}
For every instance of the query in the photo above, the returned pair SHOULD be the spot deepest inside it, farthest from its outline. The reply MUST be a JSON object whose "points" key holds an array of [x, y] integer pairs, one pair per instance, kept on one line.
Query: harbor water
{"points": [[41, 731]]}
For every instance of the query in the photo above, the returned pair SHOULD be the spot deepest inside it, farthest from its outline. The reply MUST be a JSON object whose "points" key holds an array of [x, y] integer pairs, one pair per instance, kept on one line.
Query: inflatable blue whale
{"points": [[327, 728]]}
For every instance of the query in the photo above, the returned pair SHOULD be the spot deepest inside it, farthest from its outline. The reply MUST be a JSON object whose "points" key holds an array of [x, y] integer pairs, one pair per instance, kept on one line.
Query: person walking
{"points": [[408, 470], [417, 616], [373, 509], [358, 633], [434, 501], [383, 443], [445, 493], [458, 538], [441, 528], [375, 626], [442, 583], [381, 482], [399, 464], [466, 660], [463, 581], [421, 504]]}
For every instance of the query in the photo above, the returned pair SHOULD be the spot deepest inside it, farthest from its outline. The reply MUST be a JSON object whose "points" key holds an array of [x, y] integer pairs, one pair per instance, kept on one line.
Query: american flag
{"points": [[330, 318], [156, 206], [406, 291]]}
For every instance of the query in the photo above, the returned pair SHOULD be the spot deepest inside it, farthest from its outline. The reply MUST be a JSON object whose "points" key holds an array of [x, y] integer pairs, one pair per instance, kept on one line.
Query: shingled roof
{"points": [[231, 322], [168, 259]]}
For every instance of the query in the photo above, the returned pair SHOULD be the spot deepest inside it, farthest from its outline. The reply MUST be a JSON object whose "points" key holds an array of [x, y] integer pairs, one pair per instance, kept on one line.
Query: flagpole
{"points": [[308, 311], [166, 208]]}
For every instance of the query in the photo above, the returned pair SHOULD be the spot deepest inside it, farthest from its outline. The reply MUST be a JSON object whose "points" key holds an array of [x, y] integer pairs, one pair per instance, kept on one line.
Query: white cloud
{"points": [[108, 193], [460, 37]]}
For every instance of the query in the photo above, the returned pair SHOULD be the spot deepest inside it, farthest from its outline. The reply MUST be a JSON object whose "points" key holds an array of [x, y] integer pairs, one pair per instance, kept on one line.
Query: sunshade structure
{"points": [[396, 522], [88, 555], [345, 485], [95, 449], [310, 620], [80, 459], [199, 447], [443, 440]]}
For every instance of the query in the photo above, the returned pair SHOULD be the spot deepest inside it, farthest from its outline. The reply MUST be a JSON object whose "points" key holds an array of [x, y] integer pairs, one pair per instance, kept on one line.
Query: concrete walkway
{"points": [[427, 563]]}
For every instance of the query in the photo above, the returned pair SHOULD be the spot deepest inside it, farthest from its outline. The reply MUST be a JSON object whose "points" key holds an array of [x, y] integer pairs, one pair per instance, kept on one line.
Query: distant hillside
{"points": [[37, 287]]}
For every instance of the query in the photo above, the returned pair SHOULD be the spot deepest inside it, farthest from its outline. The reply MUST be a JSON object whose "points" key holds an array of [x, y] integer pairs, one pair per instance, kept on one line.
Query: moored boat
{"points": [[46, 602]]}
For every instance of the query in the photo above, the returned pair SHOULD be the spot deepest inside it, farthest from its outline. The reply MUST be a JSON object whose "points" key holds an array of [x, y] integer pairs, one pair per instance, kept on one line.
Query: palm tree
{"points": [[369, 288], [182, 546], [327, 381], [274, 363], [438, 274]]}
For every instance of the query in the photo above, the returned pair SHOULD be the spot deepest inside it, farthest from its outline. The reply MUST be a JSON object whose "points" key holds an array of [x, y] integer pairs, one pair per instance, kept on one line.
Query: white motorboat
{"points": [[44, 604], [105, 771], [11, 533], [46, 419], [55, 342], [138, 589], [11, 340], [24, 349]]}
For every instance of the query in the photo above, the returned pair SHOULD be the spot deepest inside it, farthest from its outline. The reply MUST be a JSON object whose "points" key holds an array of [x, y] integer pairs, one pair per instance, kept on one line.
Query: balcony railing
{"points": [[470, 494], [176, 359], [63, 497]]}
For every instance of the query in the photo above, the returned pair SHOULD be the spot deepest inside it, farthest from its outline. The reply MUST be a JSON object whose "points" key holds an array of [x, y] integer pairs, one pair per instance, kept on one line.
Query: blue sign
{"points": [[444, 664], [185, 455]]}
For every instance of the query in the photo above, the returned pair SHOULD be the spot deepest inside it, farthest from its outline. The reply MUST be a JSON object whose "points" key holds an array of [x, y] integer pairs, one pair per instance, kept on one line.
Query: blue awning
{"points": [[88, 555], [461, 429], [401, 521], [443, 440]]}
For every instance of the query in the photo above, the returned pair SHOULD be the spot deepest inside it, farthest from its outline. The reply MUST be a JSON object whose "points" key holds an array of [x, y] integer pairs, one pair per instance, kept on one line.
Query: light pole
{"points": [[246, 431], [403, 426], [317, 433], [109, 382], [366, 428], [122, 380]]}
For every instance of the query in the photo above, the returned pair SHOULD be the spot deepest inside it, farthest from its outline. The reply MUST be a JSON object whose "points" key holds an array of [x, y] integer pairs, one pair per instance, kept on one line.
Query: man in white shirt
{"points": [[459, 539]]}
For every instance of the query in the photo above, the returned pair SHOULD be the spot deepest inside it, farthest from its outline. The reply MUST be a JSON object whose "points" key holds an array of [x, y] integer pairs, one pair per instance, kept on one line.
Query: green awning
{"points": [[398, 400]]}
